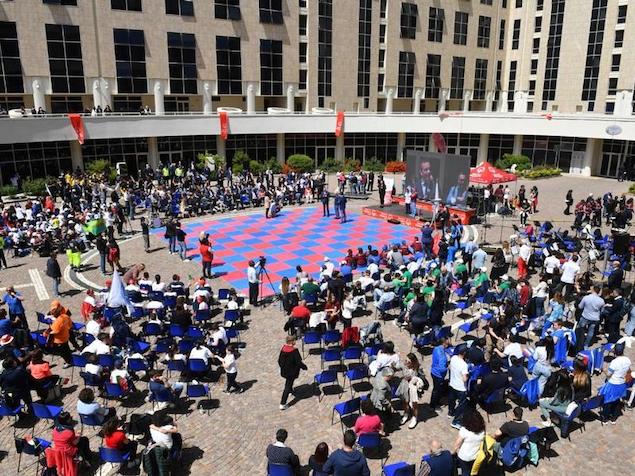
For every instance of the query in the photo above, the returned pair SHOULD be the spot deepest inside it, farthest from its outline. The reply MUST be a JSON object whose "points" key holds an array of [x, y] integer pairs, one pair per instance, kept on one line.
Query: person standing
{"points": [[343, 208], [570, 270], [207, 257], [523, 259], [180, 239], [459, 375], [54, 272], [145, 232], [369, 183], [170, 234], [252, 277], [591, 306], [568, 201], [290, 363], [102, 247], [3, 259], [326, 212], [381, 189], [59, 333]]}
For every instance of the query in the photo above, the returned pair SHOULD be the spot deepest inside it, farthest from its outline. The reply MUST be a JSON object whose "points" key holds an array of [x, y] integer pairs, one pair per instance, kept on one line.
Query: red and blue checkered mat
{"points": [[295, 237]]}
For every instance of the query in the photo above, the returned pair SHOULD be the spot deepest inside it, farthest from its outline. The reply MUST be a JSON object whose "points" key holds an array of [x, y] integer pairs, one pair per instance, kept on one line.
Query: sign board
{"points": [[614, 130], [577, 163]]}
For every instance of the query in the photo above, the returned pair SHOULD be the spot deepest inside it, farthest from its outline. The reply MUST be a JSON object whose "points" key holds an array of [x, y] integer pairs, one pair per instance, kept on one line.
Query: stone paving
{"points": [[232, 439]]}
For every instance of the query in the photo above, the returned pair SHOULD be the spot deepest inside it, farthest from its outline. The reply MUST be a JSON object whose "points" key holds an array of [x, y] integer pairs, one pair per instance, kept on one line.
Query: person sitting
{"points": [[381, 394], [347, 460], [512, 429], [159, 387], [115, 438], [368, 421], [300, 316], [438, 463], [66, 445], [41, 376], [86, 405], [15, 384], [100, 346], [318, 458], [279, 453], [201, 352], [581, 381], [560, 401], [491, 382], [310, 288], [517, 373]]}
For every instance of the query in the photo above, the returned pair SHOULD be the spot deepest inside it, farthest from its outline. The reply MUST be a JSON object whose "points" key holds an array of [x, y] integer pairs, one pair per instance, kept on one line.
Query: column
{"points": [[220, 146], [593, 150], [489, 101], [280, 153], [431, 145], [339, 147], [483, 147], [401, 145], [159, 94], [623, 104], [518, 145], [467, 97], [251, 98], [39, 94], [101, 93], [520, 102], [443, 99], [76, 155], [502, 101], [290, 98], [390, 92], [207, 98], [416, 105], [153, 152]]}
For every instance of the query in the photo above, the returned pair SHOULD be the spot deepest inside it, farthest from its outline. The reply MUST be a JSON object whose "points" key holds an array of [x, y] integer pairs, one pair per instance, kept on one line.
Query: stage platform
{"points": [[397, 212], [466, 215]]}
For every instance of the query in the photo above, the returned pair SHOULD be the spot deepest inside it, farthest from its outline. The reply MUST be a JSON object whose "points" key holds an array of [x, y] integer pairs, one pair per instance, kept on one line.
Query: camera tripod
{"points": [[262, 270]]}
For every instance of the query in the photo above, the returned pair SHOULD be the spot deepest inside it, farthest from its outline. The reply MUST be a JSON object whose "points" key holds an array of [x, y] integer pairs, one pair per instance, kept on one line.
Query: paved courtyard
{"points": [[232, 439]]}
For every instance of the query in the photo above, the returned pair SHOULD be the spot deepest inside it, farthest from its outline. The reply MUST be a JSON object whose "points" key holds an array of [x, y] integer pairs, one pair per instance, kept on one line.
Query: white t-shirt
{"points": [[200, 353], [540, 354], [348, 308], [471, 444], [162, 439], [93, 328], [569, 270], [458, 370], [96, 347], [525, 252], [229, 363], [619, 366], [118, 373], [513, 349], [551, 263]]}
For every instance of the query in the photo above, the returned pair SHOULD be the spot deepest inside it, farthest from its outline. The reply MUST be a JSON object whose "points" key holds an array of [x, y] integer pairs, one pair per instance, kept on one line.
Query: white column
{"points": [[502, 101], [153, 152], [251, 98], [520, 101], [467, 97], [431, 146], [483, 147], [220, 146], [207, 98], [76, 155], [339, 147], [518, 145], [101, 93], [593, 150], [290, 97], [390, 92], [416, 105], [39, 94], [489, 101], [443, 99], [280, 154], [401, 145], [159, 94], [623, 104]]}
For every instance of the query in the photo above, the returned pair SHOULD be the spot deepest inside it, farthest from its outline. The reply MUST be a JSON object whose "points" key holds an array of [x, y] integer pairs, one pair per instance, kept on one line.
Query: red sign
{"points": [[339, 125], [439, 142], [78, 126], [224, 125]]}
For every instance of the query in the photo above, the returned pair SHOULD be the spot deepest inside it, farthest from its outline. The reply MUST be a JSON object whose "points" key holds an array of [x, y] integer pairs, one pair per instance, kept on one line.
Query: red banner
{"points": [[439, 142], [78, 125], [224, 124], [339, 125]]}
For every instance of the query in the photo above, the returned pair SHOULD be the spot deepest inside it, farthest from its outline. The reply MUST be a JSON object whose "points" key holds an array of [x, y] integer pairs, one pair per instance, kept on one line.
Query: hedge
{"points": [[522, 162], [374, 164], [6, 190], [35, 187], [540, 172], [301, 163], [395, 166]]}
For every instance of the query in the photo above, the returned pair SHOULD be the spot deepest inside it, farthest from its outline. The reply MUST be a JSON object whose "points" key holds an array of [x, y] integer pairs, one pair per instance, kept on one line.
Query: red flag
{"points": [[339, 124], [78, 125], [224, 124], [439, 142]]}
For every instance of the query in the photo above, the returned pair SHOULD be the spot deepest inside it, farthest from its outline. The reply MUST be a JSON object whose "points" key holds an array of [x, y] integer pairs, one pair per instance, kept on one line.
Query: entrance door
{"points": [[355, 152], [136, 163], [322, 153], [170, 157], [610, 164]]}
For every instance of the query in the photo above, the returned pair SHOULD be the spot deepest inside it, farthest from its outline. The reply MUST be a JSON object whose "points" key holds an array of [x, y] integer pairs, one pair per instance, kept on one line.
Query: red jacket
{"points": [[206, 253]]}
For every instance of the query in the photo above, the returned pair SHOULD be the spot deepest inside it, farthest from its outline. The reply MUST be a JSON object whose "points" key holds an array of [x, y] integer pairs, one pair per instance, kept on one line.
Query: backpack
{"points": [[350, 336], [512, 456]]}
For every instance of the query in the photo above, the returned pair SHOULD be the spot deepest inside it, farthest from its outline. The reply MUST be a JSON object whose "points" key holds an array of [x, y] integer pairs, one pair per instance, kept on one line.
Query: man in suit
{"points": [[616, 277], [425, 181], [457, 194]]}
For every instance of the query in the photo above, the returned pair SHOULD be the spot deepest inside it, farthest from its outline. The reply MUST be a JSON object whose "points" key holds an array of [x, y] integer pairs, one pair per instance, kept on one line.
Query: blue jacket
{"points": [[346, 463], [439, 362]]}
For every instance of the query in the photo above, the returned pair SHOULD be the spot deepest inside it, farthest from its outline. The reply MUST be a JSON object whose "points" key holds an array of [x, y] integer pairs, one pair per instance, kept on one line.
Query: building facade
{"points": [[552, 79]]}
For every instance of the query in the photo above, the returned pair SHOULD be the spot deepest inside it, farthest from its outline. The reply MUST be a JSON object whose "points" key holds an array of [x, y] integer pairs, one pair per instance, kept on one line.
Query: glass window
{"points": [[11, 80], [619, 38], [407, 62], [501, 35], [66, 104], [65, 58], [227, 9], [484, 28], [458, 77], [325, 39], [130, 61], [409, 13], [436, 22], [480, 79], [594, 50], [271, 11], [184, 8], [182, 63], [130, 5], [364, 49], [516, 35], [460, 28], [433, 76], [60, 2], [553, 50], [270, 67], [621, 13]]}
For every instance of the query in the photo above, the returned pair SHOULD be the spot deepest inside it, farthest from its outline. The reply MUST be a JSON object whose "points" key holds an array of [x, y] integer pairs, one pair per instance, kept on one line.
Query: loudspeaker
{"points": [[620, 243], [393, 221]]}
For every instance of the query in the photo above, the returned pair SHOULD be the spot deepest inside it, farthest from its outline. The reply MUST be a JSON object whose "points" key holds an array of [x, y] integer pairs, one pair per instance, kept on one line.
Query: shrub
{"points": [[7, 190], [374, 164], [331, 165], [395, 166], [522, 162], [98, 167], [352, 165], [240, 161], [256, 167], [540, 172], [35, 187], [273, 165], [301, 163], [631, 189]]}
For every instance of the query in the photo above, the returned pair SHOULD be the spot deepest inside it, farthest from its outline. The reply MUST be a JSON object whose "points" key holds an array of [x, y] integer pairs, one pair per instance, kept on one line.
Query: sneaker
{"points": [[413, 422], [67, 366], [242, 390], [404, 419], [604, 422], [147, 399], [187, 259], [613, 422], [450, 416], [547, 423], [227, 391], [284, 407], [456, 426]]}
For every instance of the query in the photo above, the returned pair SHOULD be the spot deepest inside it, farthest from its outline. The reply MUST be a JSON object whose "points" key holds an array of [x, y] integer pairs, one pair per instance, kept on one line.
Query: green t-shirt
{"points": [[504, 285], [460, 268], [310, 288], [480, 279], [408, 277]]}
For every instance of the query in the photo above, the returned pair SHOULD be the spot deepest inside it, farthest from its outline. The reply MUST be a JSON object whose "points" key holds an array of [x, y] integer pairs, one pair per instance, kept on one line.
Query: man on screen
{"points": [[425, 182], [457, 194]]}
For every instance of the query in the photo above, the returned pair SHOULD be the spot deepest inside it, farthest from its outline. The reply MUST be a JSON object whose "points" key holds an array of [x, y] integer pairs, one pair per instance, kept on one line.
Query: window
{"points": [[271, 11], [60, 2], [380, 82], [65, 58], [501, 36], [325, 45], [66, 104], [382, 33], [130, 60], [535, 48], [621, 14], [538, 25], [228, 65], [407, 63], [302, 26], [130, 5], [498, 146], [382, 58], [511, 87], [594, 50], [10, 67], [615, 62], [182, 63], [35, 159], [11, 102], [534, 66], [539, 5], [178, 104], [532, 87], [612, 86], [609, 108], [460, 28], [179, 7], [126, 103], [619, 39], [302, 3], [553, 50], [458, 77], [480, 79], [519, 3], [433, 76], [364, 49], [302, 81], [486, 2], [271, 67], [302, 52], [516, 35], [484, 27], [499, 75], [227, 9], [409, 14], [435, 24], [504, 3]]}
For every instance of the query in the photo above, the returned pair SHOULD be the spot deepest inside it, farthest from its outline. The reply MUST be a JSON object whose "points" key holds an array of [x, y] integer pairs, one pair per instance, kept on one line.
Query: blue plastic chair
{"points": [[197, 366], [140, 346], [592, 403], [399, 469], [370, 441], [169, 300], [311, 299], [32, 450], [176, 366], [202, 315], [77, 360], [90, 420], [45, 412], [42, 319], [311, 337], [137, 365], [198, 391], [164, 345], [232, 333], [110, 312], [185, 346], [155, 296], [331, 337], [494, 398], [280, 470], [6, 411], [359, 372], [468, 327], [109, 455], [372, 350], [194, 332], [567, 420], [232, 315], [443, 332], [107, 361], [152, 329], [343, 409], [529, 392], [331, 355], [91, 380], [423, 340], [326, 377], [176, 331], [353, 353], [114, 390], [223, 294]]}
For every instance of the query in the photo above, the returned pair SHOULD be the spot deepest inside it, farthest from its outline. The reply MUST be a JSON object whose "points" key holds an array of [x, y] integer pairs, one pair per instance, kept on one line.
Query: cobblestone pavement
{"points": [[232, 439]]}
